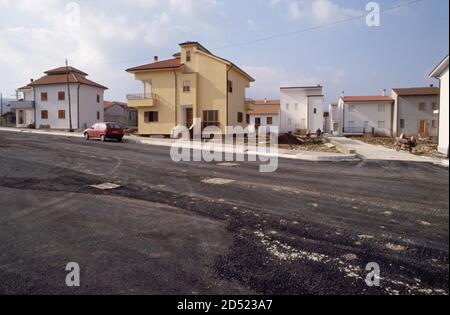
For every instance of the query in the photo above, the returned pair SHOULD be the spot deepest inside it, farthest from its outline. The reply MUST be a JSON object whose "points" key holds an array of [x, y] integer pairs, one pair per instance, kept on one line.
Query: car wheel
{"points": [[86, 136], [119, 139], [102, 138]]}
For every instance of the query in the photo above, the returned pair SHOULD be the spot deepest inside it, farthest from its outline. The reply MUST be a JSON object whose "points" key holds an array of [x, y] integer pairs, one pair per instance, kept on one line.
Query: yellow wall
{"points": [[208, 77]]}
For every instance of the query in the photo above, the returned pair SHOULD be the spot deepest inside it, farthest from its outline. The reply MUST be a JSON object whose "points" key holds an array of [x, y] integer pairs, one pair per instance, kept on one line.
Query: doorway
{"points": [[422, 127]]}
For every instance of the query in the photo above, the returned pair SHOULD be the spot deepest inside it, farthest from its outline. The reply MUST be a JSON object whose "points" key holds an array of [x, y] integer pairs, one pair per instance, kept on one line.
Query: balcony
{"points": [[141, 100], [22, 105]]}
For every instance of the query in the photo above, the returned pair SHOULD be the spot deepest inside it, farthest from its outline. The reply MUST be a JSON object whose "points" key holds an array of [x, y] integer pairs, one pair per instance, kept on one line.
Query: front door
{"points": [[422, 127], [21, 118], [189, 117]]}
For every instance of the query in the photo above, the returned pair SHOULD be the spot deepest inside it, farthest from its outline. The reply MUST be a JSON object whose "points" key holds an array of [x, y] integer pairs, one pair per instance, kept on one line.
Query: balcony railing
{"points": [[21, 104], [141, 96]]}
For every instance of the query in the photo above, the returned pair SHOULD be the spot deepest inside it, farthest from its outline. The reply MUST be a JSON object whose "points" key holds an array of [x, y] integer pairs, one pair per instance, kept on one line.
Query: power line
{"points": [[263, 39]]}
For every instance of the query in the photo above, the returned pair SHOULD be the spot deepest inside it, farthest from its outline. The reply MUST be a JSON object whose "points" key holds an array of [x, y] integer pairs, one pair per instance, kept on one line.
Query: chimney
{"points": [[265, 101], [431, 85], [342, 94], [155, 59], [31, 80], [384, 92]]}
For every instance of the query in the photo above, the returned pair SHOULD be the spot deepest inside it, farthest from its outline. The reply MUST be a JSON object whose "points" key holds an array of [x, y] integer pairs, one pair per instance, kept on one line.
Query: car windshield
{"points": [[113, 126]]}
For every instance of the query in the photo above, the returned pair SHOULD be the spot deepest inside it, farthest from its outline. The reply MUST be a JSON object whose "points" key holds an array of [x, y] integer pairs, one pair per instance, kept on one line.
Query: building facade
{"points": [[301, 109], [441, 73], [194, 87], [415, 111], [120, 113], [359, 115], [44, 103], [263, 113]]}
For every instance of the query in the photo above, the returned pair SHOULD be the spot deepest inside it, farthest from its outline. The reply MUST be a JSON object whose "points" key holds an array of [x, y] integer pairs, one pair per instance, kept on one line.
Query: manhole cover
{"points": [[106, 186]]}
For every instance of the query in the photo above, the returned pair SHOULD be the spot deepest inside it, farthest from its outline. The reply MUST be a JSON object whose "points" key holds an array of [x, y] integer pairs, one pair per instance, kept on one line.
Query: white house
{"points": [[441, 73], [45, 102], [263, 113], [415, 111], [365, 114], [301, 108]]}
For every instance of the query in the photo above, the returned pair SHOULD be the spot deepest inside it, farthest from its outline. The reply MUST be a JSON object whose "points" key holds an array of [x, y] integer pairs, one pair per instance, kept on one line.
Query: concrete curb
{"points": [[223, 148]]}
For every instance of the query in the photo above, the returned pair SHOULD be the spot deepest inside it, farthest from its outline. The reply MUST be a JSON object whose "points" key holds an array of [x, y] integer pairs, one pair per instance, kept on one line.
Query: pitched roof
{"points": [[159, 65], [419, 91], [440, 68], [266, 110], [62, 78], [63, 70], [108, 104], [176, 62], [374, 98]]}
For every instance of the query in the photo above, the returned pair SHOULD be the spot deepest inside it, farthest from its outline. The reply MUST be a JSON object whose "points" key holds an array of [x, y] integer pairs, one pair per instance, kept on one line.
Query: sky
{"points": [[103, 38]]}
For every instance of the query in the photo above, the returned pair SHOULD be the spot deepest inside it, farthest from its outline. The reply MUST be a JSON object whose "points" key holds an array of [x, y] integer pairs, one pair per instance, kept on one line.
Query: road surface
{"points": [[212, 228]]}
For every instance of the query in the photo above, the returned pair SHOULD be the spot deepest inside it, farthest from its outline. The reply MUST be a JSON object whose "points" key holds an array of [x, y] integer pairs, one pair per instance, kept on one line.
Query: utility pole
{"points": [[68, 90]]}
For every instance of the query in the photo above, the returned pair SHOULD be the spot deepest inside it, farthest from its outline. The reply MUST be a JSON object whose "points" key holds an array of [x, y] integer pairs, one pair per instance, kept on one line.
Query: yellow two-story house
{"points": [[195, 85]]}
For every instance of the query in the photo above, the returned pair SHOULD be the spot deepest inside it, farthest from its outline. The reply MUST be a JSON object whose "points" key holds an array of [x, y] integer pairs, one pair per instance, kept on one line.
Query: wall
{"points": [[407, 108], [444, 115], [367, 115]]}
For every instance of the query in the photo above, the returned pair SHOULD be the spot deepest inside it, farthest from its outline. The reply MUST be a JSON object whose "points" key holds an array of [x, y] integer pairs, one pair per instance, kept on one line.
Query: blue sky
{"points": [[114, 35]]}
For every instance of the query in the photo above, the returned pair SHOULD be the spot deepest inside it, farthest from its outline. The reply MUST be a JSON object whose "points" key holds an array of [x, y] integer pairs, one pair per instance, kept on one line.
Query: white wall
{"points": [[365, 115], [407, 108], [87, 104], [444, 115], [334, 118], [296, 103], [275, 120]]}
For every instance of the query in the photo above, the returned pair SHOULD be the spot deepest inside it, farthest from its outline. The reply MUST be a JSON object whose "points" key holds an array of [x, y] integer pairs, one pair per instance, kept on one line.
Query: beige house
{"points": [[195, 85], [415, 111]]}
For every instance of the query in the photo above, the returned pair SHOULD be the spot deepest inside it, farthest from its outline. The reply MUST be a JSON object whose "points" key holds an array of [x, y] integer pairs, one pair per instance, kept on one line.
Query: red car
{"points": [[104, 131]]}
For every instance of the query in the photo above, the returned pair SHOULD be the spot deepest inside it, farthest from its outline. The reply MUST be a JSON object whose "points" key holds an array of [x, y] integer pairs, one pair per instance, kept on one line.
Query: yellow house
{"points": [[195, 84]]}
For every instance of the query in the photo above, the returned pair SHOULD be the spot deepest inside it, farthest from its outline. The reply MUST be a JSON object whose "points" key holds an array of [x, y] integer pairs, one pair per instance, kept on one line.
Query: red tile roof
{"points": [[63, 70], [108, 104], [265, 110], [375, 98], [159, 65], [420, 91], [74, 77]]}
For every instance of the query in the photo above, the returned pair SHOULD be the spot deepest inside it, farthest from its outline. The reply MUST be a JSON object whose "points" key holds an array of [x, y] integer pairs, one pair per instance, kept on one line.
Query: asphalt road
{"points": [[309, 228]]}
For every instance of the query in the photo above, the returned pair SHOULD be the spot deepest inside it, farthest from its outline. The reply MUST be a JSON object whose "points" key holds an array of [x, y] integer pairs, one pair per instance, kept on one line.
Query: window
{"points": [[240, 117], [434, 123], [315, 110], [98, 98], [188, 56], [230, 86], [422, 107], [402, 123], [381, 108], [186, 86], [435, 106], [287, 106], [210, 118], [44, 97], [381, 125], [151, 117], [269, 121], [98, 115], [247, 118], [62, 114], [61, 96], [44, 114]]}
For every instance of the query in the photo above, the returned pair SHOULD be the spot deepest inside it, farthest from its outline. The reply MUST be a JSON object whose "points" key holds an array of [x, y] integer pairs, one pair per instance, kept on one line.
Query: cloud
{"points": [[316, 12], [35, 35]]}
